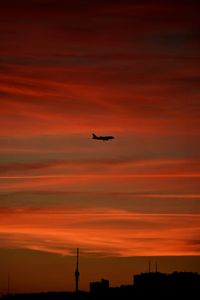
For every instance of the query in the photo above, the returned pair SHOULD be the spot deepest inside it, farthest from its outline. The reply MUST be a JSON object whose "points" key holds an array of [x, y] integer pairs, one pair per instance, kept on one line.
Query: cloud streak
{"points": [[110, 231], [122, 68]]}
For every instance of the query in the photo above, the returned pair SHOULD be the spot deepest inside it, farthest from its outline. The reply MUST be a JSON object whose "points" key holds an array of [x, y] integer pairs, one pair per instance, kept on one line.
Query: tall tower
{"points": [[77, 274]]}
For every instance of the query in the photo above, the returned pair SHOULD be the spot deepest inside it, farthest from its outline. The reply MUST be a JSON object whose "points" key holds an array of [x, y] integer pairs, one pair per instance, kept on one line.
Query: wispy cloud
{"points": [[126, 68], [113, 232]]}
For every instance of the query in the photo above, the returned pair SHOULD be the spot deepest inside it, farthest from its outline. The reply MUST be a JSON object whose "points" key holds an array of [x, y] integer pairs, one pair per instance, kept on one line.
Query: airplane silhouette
{"points": [[102, 138]]}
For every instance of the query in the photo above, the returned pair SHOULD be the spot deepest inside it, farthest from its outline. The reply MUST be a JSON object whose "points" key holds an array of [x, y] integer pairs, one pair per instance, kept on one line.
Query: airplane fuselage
{"points": [[102, 138]]}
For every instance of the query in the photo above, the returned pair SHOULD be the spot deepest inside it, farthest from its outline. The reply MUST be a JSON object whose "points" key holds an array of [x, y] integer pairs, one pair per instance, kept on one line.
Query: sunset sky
{"points": [[130, 69]]}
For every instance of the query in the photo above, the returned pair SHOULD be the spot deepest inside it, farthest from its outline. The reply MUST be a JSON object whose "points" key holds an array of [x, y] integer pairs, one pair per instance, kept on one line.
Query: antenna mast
{"points": [[8, 287], [149, 266], [156, 267], [77, 274]]}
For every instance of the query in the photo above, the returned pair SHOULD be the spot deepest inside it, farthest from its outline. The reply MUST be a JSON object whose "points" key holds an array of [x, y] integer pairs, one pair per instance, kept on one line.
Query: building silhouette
{"points": [[99, 286], [176, 281], [150, 280]]}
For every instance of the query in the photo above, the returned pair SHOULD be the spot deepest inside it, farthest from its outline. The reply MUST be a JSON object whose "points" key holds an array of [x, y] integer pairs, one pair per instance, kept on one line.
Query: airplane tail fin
{"points": [[94, 136]]}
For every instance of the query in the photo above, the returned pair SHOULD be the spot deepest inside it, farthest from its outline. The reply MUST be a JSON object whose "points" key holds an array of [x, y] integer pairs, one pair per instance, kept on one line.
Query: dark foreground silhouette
{"points": [[152, 285]]}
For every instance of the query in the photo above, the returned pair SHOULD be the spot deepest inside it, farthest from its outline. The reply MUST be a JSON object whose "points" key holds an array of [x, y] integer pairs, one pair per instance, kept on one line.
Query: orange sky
{"points": [[123, 68]]}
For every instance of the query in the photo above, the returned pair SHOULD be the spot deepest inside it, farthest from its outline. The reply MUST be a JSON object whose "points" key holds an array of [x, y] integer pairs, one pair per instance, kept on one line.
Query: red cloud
{"points": [[116, 232]]}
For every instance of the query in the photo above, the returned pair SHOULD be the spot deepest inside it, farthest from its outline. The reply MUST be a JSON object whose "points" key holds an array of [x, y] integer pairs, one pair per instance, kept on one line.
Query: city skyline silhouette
{"points": [[152, 284], [58, 273]]}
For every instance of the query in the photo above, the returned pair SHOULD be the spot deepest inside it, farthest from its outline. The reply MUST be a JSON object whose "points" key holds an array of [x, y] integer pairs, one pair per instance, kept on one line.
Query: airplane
{"points": [[102, 138]]}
